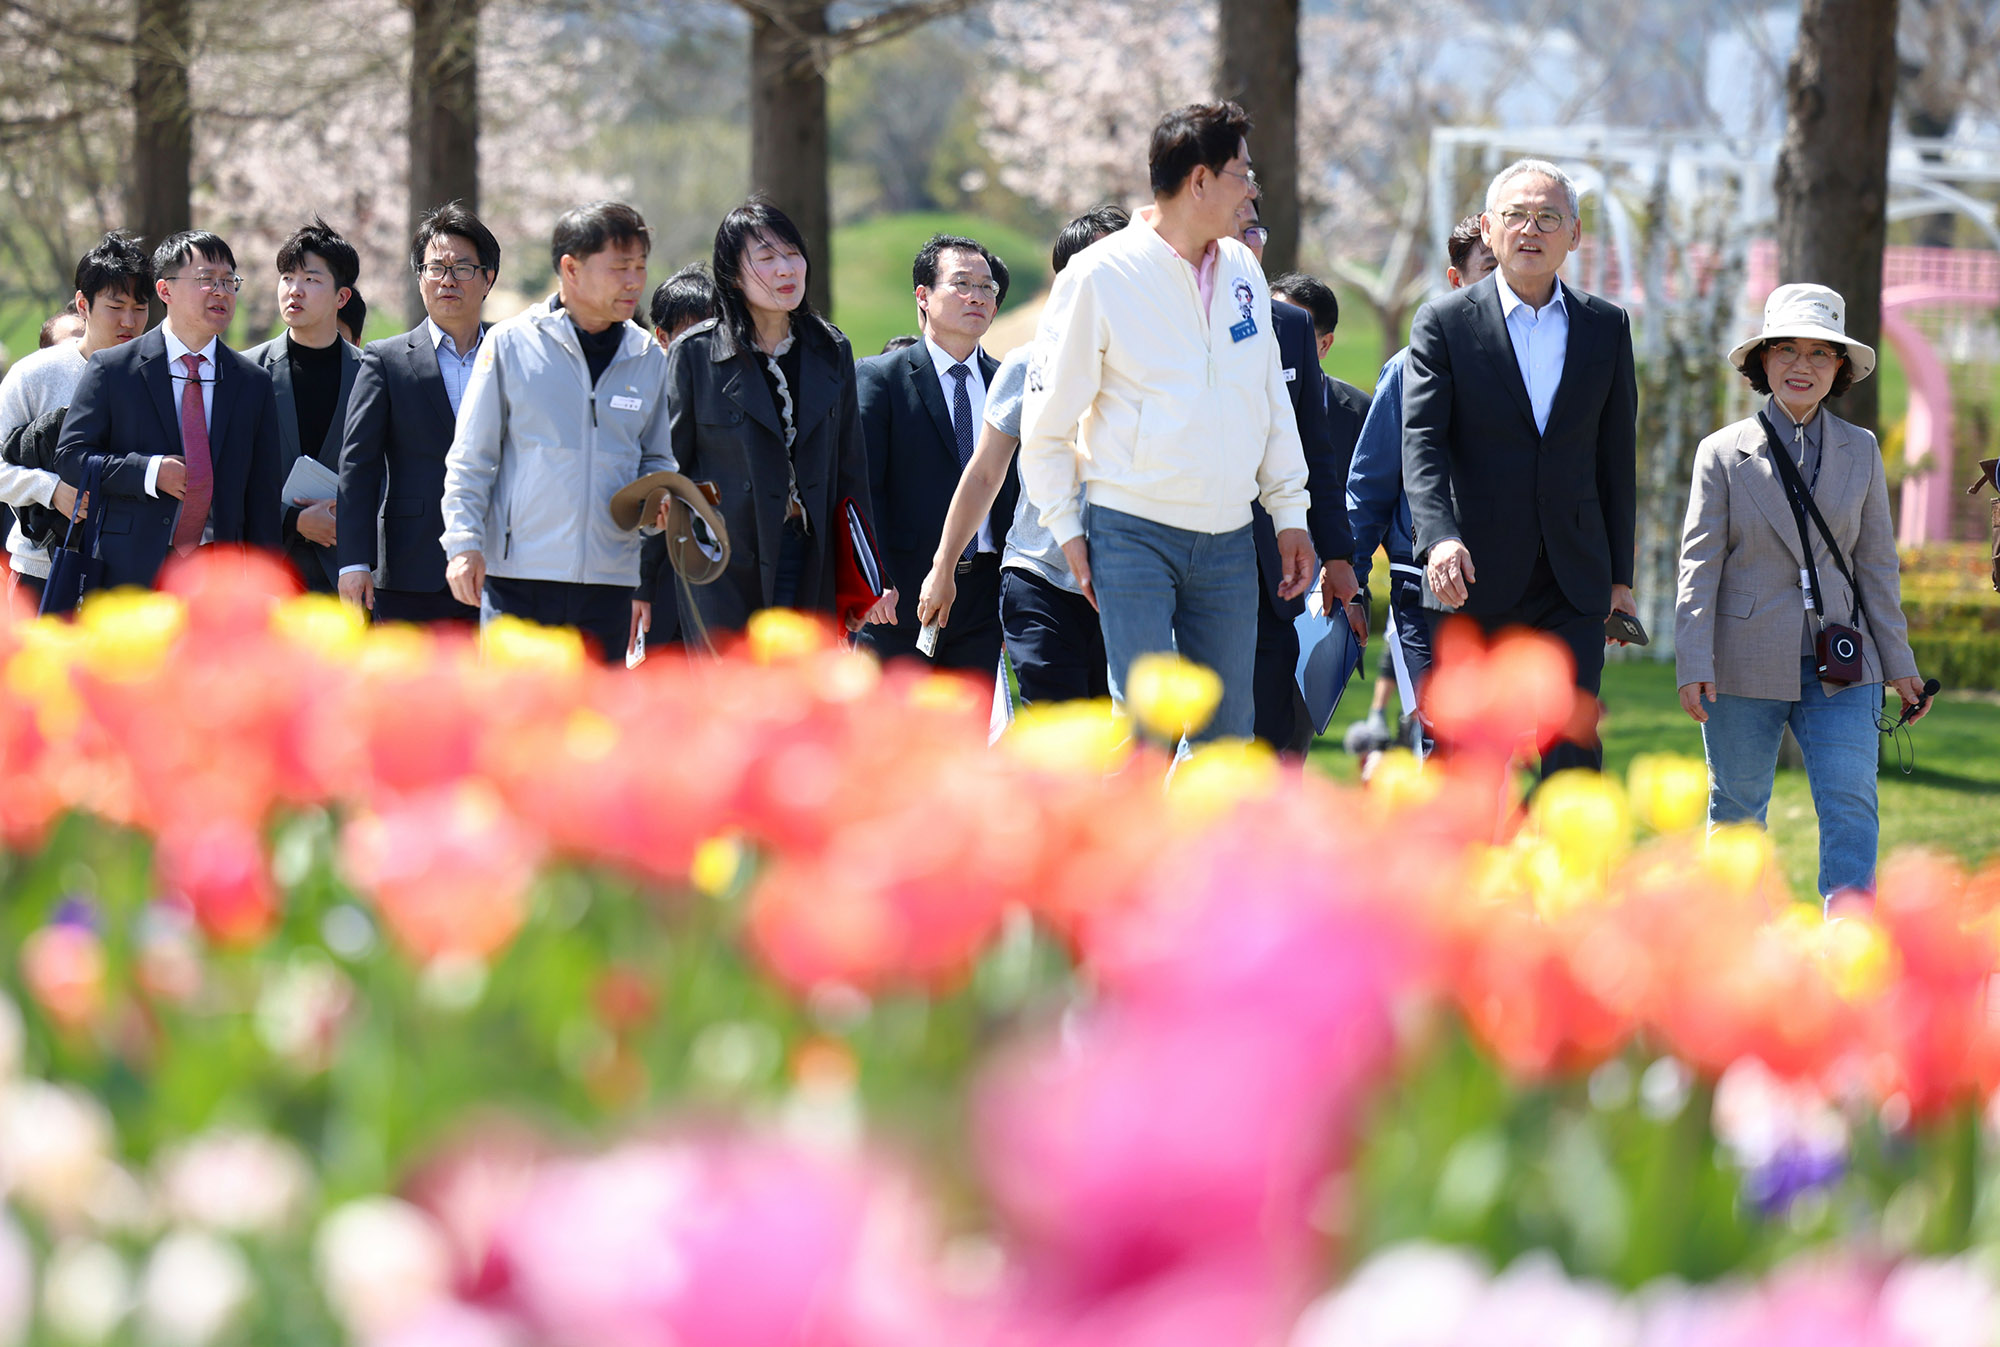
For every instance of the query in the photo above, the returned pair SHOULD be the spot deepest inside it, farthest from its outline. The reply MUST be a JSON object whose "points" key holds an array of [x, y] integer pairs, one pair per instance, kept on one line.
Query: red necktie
{"points": [[194, 449]]}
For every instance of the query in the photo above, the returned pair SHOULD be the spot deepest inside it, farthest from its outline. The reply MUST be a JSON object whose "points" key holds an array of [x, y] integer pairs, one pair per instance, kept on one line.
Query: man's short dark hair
{"points": [[116, 263], [1752, 369], [1459, 246], [924, 270], [1313, 295], [454, 219], [907, 339], [1199, 134], [320, 239], [1085, 230], [687, 296], [585, 231], [354, 313], [176, 250]]}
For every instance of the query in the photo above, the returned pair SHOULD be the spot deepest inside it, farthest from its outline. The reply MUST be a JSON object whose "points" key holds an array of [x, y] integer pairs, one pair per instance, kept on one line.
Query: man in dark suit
{"points": [[1518, 439], [312, 372], [921, 410], [400, 420], [188, 427], [1281, 718]]}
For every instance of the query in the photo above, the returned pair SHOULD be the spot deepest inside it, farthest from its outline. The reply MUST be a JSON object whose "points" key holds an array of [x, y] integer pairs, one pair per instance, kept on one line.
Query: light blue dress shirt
{"points": [[454, 365], [1541, 340]]}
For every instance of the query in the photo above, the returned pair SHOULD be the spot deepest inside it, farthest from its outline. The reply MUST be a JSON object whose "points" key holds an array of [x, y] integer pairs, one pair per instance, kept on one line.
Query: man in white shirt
{"points": [[1519, 405], [112, 283], [1157, 386]]}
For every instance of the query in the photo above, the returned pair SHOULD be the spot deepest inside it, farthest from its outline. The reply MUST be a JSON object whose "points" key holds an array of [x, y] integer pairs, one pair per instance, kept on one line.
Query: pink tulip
{"points": [[723, 1243]]}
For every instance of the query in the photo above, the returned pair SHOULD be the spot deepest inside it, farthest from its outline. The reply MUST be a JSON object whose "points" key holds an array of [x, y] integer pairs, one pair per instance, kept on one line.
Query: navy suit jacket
{"points": [[390, 512], [127, 408], [1326, 460], [315, 564], [913, 466], [1476, 469]]}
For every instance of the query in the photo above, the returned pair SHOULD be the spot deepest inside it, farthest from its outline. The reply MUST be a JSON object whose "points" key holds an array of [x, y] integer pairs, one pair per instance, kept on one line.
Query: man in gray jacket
{"points": [[567, 403]]}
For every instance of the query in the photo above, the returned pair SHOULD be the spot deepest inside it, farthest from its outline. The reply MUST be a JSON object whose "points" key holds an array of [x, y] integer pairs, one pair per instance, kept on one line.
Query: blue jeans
{"points": [[1160, 588], [1838, 736]]}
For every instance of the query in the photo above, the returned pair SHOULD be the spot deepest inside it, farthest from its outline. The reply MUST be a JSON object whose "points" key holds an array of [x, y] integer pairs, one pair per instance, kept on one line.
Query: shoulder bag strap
{"points": [[1803, 506]]}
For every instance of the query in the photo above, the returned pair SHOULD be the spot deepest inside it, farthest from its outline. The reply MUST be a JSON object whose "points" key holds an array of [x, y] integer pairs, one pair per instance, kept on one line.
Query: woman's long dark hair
{"points": [[737, 231]]}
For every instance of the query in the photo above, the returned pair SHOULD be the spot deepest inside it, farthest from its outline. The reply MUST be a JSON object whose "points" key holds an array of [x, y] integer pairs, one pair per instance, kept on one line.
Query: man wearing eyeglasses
{"points": [[400, 421], [187, 427], [921, 411], [1518, 440]]}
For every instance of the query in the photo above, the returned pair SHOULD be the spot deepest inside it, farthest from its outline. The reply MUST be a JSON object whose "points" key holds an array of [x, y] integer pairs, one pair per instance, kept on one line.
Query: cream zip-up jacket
{"points": [[1152, 407]]}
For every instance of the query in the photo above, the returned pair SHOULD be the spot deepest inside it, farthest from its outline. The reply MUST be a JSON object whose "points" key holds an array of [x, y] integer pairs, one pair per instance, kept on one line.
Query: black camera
{"points": [[1839, 653]]}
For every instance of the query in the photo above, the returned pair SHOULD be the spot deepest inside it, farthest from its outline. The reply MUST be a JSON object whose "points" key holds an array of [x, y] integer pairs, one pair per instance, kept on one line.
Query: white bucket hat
{"points": [[1804, 312]]}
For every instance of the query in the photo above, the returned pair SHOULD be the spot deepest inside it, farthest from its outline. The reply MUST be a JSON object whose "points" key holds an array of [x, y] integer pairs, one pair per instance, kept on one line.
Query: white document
{"points": [[310, 479]]}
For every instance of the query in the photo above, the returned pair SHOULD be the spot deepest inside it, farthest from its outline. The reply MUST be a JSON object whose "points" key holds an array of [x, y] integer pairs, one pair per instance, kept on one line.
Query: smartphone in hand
{"points": [[1625, 627]]}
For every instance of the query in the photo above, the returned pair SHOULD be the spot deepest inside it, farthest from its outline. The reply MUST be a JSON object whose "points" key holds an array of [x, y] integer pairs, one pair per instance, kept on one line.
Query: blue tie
{"points": [[961, 425]]}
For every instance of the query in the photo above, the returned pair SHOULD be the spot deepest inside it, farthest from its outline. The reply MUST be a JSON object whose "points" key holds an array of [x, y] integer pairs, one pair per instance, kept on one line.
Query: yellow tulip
{"points": [[718, 862], [511, 643], [1171, 696], [1738, 856], [1585, 817], [125, 634], [322, 624], [779, 635], [1079, 738], [1669, 791], [1216, 777]]}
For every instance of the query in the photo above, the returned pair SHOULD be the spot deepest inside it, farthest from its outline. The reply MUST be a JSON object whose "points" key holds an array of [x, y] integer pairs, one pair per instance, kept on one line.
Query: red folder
{"points": [[859, 581]]}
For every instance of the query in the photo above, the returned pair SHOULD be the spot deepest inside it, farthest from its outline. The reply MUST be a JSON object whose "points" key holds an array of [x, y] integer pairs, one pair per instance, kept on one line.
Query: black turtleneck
{"points": [[599, 348], [315, 390]]}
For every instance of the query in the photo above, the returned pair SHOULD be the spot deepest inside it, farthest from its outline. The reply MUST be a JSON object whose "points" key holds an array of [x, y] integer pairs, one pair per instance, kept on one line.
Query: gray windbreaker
{"points": [[539, 453]]}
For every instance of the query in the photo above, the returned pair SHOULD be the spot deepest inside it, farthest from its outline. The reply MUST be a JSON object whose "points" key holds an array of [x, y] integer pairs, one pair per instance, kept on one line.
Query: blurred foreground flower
{"points": [[449, 870], [1171, 697]]}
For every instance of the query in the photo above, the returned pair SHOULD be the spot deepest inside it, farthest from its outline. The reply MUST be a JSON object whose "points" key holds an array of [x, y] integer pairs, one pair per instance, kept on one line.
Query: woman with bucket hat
{"points": [[1789, 606]]}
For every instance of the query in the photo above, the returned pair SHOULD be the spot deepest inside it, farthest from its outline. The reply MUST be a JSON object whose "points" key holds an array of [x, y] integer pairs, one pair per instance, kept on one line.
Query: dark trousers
{"points": [[1053, 639], [409, 605], [603, 613], [1544, 607], [1282, 720], [972, 639], [1413, 631]]}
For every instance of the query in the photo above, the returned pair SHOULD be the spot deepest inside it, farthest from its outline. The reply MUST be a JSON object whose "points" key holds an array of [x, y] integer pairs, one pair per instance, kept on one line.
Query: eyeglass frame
{"points": [[1515, 220], [1249, 179], [1834, 355], [987, 290], [423, 269], [231, 282], [1264, 230]]}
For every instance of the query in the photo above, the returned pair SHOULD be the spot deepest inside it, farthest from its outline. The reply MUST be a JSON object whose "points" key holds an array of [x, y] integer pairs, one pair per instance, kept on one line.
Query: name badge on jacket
{"points": [[1244, 330]]}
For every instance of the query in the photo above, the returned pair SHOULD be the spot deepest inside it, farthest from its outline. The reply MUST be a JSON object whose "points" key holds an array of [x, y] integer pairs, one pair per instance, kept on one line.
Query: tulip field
{"points": [[374, 988]]}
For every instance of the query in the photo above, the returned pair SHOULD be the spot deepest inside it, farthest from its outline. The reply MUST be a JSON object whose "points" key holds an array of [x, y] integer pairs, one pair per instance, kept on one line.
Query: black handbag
{"points": [[74, 567], [1838, 648]]}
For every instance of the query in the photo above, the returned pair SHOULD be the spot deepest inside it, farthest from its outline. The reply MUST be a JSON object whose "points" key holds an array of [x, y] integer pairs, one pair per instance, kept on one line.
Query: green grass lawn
{"points": [[871, 270], [1950, 801]]}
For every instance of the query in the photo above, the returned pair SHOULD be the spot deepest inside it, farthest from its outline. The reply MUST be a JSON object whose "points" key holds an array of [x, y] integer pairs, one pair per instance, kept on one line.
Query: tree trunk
{"points": [[1259, 68], [1833, 174], [162, 118], [444, 111], [788, 137]]}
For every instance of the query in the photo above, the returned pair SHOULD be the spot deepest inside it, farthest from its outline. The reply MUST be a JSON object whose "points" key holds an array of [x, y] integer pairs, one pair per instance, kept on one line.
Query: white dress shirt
{"points": [[975, 388], [176, 348], [1541, 340]]}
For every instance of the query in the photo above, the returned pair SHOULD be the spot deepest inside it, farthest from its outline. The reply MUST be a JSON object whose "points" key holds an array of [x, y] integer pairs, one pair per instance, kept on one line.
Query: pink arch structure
{"points": [[1914, 278]]}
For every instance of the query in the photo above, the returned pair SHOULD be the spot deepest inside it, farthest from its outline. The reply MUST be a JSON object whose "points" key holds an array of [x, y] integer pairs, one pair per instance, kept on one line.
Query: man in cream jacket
{"points": [[1156, 388]]}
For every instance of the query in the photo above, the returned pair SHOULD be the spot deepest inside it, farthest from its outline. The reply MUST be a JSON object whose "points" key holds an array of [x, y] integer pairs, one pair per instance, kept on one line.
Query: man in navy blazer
{"points": [[911, 408], [312, 369], [1281, 719], [400, 419], [1519, 435], [187, 427]]}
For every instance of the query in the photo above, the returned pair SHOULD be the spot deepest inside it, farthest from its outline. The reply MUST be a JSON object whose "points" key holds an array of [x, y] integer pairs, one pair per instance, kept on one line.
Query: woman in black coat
{"points": [[761, 404]]}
